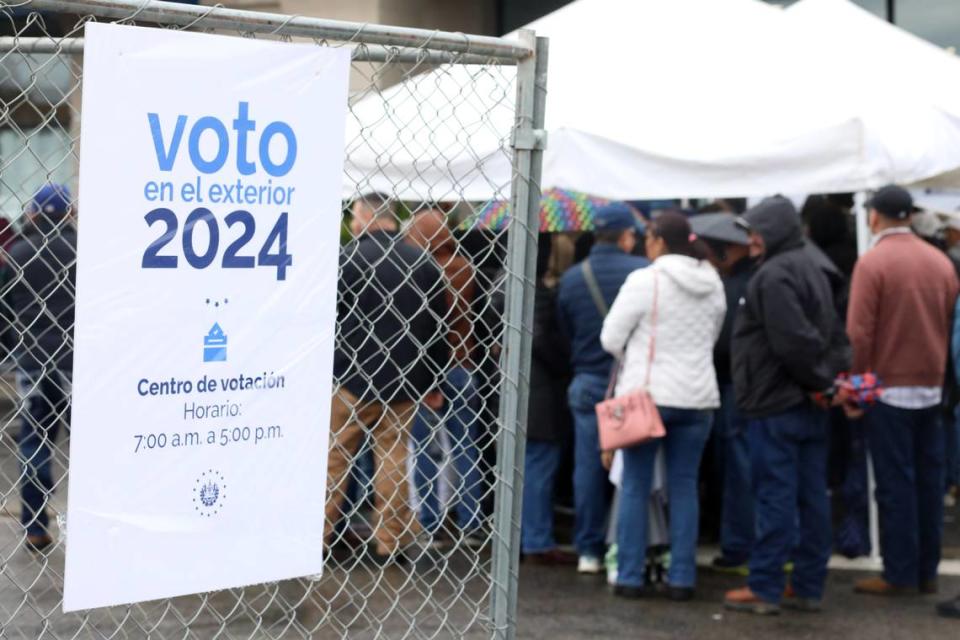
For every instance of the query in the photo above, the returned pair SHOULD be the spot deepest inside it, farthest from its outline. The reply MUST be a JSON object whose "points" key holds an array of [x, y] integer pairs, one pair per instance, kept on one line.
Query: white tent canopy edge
{"points": [[768, 112]]}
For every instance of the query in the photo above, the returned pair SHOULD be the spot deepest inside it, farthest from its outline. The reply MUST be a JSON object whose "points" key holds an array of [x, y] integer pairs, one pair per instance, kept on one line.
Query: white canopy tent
{"points": [[903, 88], [788, 101], [437, 136]]}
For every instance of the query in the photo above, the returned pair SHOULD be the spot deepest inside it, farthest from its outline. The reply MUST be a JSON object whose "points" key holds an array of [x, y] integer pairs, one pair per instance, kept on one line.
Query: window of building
{"points": [[935, 20], [35, 116]]}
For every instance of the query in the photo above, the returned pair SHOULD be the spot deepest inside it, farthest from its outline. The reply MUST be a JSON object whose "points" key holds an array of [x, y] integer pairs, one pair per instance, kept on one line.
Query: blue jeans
{"points": [[540, 473], [736, 522], [908, 460], [591, 485], [459, 418], [687, 433], [46, 408], [953, 450], [789, 452], [853, 534]]}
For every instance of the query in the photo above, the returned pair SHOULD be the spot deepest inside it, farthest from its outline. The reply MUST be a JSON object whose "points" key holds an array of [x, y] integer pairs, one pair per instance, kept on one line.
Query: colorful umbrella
{"points": [[560, 210]]}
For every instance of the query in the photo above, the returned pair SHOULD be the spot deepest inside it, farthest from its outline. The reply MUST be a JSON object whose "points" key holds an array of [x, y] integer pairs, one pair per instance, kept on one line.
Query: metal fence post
{"points": [[528, 142]]}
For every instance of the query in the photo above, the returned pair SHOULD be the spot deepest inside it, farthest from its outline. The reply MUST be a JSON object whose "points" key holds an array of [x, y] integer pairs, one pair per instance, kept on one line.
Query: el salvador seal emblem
{"points": [[209, 492]]}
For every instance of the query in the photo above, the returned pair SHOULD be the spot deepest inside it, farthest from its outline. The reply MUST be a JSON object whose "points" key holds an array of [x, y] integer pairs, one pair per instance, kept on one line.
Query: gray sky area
{"points": [[936, 20]]}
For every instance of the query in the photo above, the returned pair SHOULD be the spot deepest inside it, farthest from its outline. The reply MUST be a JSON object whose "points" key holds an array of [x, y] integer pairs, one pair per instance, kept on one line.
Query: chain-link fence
{"points": [[434, 297]]}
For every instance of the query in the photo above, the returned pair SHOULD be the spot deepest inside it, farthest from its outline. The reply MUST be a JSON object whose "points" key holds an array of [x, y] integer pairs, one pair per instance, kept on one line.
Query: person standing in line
{"points": [[730, 251], [951, 608], [952, 241], [546, 422], [828, 227], [584, 296], [902, 299], [786, 350], [459, 415], [951, 237], [940, 231], [391, 355], [664, 325], [38, 295]]}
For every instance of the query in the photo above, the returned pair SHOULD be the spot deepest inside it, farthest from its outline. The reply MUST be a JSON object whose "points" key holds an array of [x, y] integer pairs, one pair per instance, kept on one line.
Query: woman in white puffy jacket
{"points": [[690, 306]]}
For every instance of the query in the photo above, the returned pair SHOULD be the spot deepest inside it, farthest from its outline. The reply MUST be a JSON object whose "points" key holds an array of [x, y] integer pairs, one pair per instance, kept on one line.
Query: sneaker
{"points": [[726, 564], [877, 586], [747, 601], [795, 603], [950, 608], [589, 565]]}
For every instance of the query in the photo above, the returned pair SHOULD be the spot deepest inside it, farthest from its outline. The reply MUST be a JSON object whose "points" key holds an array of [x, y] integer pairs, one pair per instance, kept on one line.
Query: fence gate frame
{"points": [[529, 142], [388, 44]]}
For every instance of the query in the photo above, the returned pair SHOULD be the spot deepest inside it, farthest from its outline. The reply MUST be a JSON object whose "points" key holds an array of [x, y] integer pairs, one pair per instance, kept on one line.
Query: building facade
{"points": [[935, 20], [38, 133]]}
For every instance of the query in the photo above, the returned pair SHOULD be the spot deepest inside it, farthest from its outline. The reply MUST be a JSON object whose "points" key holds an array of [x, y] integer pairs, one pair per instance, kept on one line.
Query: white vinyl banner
{"points": [[208, 217]]}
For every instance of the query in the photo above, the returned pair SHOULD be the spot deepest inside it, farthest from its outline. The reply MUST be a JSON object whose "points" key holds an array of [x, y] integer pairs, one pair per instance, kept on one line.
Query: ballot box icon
{"points": [[215, 345]]}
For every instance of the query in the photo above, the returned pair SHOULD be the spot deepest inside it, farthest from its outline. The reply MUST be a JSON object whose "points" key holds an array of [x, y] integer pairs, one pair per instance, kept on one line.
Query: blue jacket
{"points": [[577, 315]]}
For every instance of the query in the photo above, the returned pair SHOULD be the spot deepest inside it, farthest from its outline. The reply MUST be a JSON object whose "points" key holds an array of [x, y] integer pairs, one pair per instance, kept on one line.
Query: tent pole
{"points": [[891, 11], [863, 226], [863, 243], [874, 513]]}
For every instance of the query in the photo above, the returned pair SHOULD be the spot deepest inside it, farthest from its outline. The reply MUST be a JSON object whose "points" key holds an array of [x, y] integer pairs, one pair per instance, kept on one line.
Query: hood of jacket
{"points": [[778, 223], [696, 277]]}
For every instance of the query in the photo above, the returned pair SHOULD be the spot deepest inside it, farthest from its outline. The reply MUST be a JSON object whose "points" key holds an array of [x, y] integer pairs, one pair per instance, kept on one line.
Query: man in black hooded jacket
{"points": [[38, 301], [788, 345]]}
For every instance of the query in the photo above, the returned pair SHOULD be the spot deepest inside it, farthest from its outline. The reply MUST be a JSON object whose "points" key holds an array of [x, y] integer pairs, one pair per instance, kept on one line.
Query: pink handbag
{"points": [[631, 419]]}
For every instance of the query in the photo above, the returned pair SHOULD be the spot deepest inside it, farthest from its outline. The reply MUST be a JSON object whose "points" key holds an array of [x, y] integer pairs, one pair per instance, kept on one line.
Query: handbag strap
{"points": [[594, 288], [619, 362]]}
